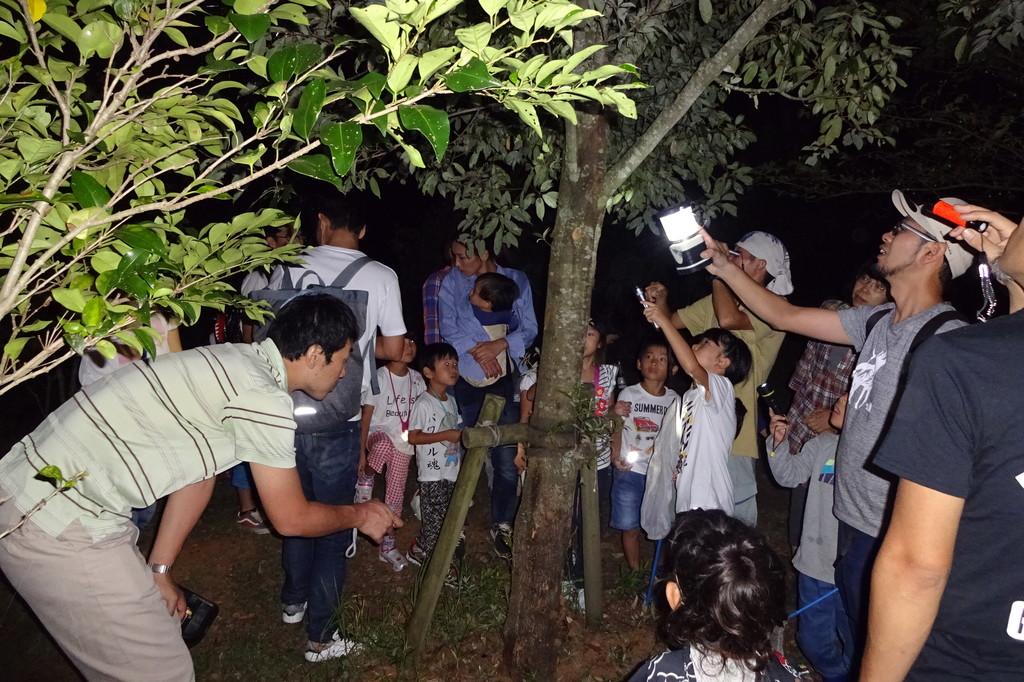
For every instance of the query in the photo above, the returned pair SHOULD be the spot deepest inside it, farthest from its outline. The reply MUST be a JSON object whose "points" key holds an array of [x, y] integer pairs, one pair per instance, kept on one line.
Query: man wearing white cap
{"points": [[765, 261], [917, 260]]}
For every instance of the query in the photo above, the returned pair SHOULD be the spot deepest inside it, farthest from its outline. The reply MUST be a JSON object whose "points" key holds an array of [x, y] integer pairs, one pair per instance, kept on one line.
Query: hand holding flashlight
{"points": [[993, 240], [648, 306]]}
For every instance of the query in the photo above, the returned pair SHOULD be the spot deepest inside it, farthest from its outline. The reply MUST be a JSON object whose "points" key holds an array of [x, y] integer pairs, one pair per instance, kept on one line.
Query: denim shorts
{"points": [[627, 495]]}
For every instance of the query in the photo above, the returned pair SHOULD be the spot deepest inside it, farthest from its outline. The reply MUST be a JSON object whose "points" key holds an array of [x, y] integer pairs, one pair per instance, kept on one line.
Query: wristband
{"points": [[162, 569]]}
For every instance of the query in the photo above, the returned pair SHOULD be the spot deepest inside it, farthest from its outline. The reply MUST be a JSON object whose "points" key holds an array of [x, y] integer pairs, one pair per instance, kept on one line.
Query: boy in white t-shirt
{"points": [[705, 422], [643, 406], [435, 430], [385, 434]]}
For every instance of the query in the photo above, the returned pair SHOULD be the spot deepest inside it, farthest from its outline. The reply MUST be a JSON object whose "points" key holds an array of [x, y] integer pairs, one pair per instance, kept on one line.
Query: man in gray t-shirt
{"points": [[861, 494], [917, 260]]}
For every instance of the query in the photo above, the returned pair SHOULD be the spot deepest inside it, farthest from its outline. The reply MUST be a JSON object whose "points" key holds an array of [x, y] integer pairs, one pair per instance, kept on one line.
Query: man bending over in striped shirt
{"points": [[157, 429]]}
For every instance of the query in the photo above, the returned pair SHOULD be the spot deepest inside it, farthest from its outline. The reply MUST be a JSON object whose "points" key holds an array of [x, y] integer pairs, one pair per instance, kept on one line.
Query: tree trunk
{"points": [[533, 629]]}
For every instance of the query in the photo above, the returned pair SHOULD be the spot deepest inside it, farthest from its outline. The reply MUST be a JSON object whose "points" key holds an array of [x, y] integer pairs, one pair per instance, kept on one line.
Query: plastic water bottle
{"points": [[364, 491]]}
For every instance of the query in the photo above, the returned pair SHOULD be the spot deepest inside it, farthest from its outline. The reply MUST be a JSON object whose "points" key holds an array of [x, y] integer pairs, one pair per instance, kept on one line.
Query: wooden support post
{"points": [[437, 568], [591, 543]]}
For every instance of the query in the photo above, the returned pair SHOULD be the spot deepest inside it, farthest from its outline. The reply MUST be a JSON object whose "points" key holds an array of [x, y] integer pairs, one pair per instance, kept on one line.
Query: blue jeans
{"points": [[856, 555], [504, 497], [314, 568], [241, 477], [627, 497], [824, 630]]}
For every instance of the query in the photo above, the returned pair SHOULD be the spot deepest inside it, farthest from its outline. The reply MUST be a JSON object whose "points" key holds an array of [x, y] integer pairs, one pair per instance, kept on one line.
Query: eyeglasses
{"points": [[903, 225]]}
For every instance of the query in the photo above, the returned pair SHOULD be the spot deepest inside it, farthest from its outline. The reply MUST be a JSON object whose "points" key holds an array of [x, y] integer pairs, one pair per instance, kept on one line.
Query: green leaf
{"points": [[374, 83], [105, 260], [251, 26], [343, 139], [432, 61], [473, 76], [13, 348], [142, 238], [310, 103], [34, 149], [492, 7], [374, 18], [306, 56], [176, 36], [281, 64], [401, 73], [99, 37], [527, 112], [218, 25], [36, 326], [94, 312], [88, 192], [146, 339], [72, 299], [315, 166], [704, 6], [63, 25], [51, 472], [431, 123], [249, 6], [572, 62], [290, 12], [106, 349], [475, 38]]}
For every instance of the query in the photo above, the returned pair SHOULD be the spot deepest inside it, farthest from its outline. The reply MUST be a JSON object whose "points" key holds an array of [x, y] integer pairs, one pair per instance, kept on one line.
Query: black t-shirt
{"points": [[959, 429]]}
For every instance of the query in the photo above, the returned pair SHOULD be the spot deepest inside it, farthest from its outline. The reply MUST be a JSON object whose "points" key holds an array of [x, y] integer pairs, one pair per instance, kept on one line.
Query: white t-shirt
{"points": [[384, 299], [707, 427], [640, 429], [392, 407], [254, 281], [436, 461]]}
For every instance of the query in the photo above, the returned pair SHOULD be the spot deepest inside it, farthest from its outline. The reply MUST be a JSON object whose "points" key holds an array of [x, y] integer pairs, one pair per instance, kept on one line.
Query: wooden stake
{"points": [[591, 544], [441, 558]]}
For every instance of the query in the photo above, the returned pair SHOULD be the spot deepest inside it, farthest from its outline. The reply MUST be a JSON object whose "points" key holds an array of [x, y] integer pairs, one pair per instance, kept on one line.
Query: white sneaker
{"points": [[393, 558], [293, 613], [317, 652]]}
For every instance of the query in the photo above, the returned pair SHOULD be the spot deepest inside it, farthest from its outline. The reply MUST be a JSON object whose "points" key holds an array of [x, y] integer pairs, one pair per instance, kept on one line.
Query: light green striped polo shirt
{"points": [[148, 430]]}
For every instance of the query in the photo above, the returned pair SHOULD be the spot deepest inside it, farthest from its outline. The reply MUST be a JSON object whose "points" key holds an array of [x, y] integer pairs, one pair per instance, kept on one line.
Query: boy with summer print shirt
{"points": [[643, 407]]}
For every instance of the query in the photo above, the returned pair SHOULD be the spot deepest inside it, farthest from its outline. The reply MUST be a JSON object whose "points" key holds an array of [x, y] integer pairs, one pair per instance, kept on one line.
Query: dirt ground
{"points": [[241, 572]]}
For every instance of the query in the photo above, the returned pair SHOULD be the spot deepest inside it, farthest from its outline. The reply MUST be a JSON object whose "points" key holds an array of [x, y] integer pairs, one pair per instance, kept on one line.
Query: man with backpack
{"points": [[327, 440], [917, 261]]}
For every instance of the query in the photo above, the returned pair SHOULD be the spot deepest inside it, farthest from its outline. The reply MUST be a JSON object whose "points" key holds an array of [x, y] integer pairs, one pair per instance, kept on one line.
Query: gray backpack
{"points": [[343, 403]]}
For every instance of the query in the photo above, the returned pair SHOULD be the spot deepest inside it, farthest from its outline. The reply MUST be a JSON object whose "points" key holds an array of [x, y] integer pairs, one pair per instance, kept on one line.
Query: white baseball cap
{"points": [[957, 256], [771, 250]]}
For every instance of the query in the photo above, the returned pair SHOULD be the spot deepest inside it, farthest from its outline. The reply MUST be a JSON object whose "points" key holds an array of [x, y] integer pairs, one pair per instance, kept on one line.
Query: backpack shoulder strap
{"points": [[875, 318], [346, 275], [932, 326], [927, 330]]}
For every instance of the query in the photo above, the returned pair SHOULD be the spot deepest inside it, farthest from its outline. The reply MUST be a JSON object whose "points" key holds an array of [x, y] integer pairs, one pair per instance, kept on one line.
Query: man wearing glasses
{"points": [[917, 261]]}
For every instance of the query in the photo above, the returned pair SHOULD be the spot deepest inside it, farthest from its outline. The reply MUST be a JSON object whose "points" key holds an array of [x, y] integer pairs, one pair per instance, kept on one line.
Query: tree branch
{"points": [[706, 74]]}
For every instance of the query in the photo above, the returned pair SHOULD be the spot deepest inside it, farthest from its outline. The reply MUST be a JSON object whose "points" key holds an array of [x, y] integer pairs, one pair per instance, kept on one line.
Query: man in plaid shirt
{"points": [[431, 291]]}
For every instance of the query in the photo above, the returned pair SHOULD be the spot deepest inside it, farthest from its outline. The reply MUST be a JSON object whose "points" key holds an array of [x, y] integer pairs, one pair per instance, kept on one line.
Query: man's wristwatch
{"points": [[160, 568]]}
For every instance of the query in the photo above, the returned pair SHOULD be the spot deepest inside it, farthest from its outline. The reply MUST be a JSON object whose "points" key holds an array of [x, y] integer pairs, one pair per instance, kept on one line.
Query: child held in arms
{"points": [[385, 436], [824, 629], [725, 596], [492, 298], [701, 436], [435, 429], [643, 407]]}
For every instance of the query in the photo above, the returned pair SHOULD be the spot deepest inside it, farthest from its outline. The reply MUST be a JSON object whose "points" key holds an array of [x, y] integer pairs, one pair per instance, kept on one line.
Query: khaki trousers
{"points": [[97, 599]]}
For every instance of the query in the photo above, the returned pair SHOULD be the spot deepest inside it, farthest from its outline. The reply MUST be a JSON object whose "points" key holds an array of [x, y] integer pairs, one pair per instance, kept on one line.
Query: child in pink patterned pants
{"points": [[386, 440]]}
